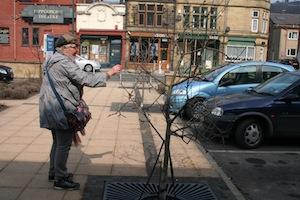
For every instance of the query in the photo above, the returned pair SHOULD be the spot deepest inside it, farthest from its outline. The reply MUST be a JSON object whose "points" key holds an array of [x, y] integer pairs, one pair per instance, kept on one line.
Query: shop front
{"points": [[106, 47], [150, 50], [200, 49]]}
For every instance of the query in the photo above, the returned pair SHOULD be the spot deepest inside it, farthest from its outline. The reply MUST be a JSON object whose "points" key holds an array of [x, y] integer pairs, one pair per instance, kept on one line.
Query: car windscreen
{"points": [[212, 75], [277, 84]]}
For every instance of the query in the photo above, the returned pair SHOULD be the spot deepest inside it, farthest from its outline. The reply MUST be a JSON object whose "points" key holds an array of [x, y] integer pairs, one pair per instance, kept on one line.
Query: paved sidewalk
{"points": [[115, 147]]}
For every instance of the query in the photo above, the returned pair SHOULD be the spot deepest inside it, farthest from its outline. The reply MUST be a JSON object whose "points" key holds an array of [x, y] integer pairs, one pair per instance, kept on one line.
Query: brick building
{"points": [[23, 24]]}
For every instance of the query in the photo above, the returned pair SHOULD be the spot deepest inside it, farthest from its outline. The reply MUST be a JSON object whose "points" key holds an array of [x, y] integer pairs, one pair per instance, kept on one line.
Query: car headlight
{"points": [[179, 92], [217, 111]]}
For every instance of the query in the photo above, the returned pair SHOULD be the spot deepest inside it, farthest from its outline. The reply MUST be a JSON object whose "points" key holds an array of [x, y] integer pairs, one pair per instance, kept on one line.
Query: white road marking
{"points": [[253, 152]]}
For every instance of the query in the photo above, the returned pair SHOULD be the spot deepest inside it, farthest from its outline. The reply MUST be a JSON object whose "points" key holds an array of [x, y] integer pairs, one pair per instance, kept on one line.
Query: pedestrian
{"points": [[68, 80]]}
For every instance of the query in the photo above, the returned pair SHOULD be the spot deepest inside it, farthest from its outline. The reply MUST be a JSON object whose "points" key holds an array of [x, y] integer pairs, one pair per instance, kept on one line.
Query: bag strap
{"points": [[54, 90]]}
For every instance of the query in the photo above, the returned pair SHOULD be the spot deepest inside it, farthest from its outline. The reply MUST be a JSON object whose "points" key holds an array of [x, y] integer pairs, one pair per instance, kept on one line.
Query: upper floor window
{"points": [[213, 17], [293, 35], [265, 23], [35, 36], [255, 14], [4, 35], [196, 17], [186, 16], [291, 52], [150, 14], [204, 13], [254, 21], [25, 37]]}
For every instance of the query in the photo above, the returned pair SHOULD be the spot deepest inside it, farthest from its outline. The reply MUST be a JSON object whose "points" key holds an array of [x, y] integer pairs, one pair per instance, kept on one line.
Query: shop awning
{"points": [[244, 41]]}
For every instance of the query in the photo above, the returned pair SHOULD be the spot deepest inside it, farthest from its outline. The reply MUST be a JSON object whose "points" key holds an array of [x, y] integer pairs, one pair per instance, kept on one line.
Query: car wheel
{"points": [[195, 109], [88, 68], [249, 134]]}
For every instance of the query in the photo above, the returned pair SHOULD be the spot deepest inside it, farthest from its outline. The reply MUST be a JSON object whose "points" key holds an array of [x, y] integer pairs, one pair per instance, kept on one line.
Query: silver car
{"points": [[87, 65]]}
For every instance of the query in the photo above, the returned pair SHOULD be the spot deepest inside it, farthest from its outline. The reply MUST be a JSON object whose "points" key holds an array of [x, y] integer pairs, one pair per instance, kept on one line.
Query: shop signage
{"points": [[160, 35], [48, 15]]}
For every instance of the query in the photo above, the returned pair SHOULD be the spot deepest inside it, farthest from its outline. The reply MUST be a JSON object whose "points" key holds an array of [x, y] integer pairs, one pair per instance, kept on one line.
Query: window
{"points": [[196, 17], [255, 14], [148, 50], [270, 71], [241, 75], [203, 21], [159, 14], [141, 14], [35, 36], [265, 23], [291, 52], [186, 16], [293, 35], [239, 53], [150, 15], [254, 25], [4, 35], [134, 49], [213, 18], [25, 37], [254, 21]]}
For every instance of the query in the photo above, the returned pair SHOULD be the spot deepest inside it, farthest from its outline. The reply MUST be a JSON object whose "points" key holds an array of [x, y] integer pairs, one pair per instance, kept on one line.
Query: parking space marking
{"points": [[254, 152]]}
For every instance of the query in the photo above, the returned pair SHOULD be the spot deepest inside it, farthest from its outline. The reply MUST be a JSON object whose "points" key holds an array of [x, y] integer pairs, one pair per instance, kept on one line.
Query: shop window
{"points": [[153, 51], [144, 50], [25, 37], [35, 36], [239, 53], [134, 50], [4, 35]]}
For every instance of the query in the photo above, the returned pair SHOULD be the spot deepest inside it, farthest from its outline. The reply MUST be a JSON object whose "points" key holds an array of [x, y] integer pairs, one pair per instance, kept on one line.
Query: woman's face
{"points": [[70, 49]]}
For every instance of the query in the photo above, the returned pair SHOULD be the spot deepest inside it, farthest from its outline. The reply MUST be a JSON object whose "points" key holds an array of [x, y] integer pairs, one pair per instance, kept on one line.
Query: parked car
{"points": [[271, 109], [87, 65], [188, 96], [6, 73], [293, 62]]}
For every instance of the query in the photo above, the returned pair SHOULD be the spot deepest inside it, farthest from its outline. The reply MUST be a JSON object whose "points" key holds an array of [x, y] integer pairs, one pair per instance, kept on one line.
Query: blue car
{"points": [[188, 96], [272, 109]]}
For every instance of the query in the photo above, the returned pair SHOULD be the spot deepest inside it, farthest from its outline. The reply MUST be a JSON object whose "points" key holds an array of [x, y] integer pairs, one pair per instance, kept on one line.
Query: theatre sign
{"points": [[47, 14]]}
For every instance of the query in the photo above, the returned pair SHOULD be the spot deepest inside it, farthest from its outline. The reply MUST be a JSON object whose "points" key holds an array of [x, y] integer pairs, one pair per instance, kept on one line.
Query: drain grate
{"points": [[178, 191]]}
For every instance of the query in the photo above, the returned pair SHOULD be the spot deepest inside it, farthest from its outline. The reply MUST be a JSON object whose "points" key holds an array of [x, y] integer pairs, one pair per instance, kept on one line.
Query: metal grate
{"points": [[178, 191]]}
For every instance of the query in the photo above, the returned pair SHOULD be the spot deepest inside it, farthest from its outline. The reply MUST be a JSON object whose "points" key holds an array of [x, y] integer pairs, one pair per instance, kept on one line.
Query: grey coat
{"points": [[68, 80]]}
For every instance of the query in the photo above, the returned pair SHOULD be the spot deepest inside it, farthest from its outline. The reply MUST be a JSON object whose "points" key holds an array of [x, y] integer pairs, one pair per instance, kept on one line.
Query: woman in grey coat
{"points": [[68, 80]]}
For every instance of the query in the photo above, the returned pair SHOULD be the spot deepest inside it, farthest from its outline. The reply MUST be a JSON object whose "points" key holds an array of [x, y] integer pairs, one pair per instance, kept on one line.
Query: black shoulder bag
{"points": [[78, 118]]}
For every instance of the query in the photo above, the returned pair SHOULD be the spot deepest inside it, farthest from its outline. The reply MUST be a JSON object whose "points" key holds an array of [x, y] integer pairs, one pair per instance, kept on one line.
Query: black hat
{"points": [[65, 39]]}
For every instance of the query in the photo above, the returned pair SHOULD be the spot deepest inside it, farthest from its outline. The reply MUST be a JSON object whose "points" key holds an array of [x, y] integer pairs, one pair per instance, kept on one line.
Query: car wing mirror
{"points": [[290, 98]]}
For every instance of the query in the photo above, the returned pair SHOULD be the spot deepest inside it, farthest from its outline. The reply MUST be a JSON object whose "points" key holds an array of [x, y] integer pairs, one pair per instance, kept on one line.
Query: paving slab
{"points": [[118, 146]]}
